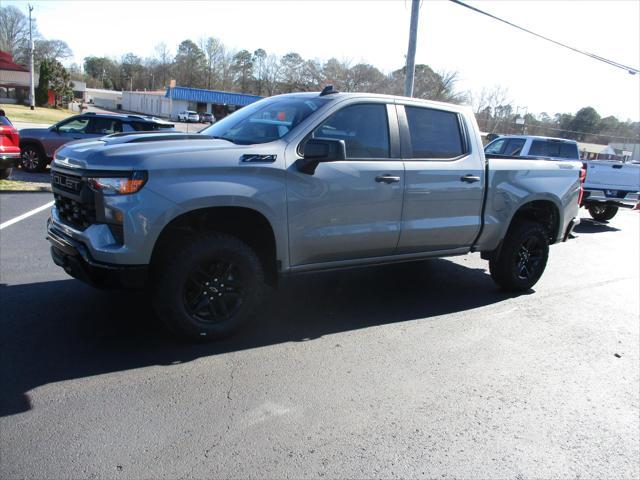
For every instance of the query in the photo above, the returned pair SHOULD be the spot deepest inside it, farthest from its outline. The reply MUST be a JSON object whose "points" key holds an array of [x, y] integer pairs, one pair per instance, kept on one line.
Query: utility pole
{"points": [[411, 51], [32, 93]]}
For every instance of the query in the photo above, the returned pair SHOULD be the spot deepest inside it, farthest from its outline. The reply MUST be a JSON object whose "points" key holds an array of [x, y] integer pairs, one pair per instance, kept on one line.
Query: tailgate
{"points": [[603, 174]]}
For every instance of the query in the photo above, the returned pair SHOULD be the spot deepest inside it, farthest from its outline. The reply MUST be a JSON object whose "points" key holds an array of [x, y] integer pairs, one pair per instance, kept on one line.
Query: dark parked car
{"points": [[207, 118], [38, 144], [9, 147]]}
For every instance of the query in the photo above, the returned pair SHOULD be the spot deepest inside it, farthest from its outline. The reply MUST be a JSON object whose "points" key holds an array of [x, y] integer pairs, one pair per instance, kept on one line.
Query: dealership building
{"points": [[14, 80], [178, 99]]}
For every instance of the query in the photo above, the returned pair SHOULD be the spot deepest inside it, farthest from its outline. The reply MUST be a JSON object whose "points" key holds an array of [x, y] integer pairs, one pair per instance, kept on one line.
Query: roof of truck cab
{"points": [[538, 137], [395, 98]]}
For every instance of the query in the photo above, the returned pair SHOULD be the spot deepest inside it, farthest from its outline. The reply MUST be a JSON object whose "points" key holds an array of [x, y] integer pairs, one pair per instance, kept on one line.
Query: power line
{"points": [[627, 68]]}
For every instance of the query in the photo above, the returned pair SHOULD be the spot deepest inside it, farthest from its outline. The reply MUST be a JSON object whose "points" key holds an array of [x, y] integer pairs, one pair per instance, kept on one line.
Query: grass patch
{"points": [[15, 186], [22, 113]]}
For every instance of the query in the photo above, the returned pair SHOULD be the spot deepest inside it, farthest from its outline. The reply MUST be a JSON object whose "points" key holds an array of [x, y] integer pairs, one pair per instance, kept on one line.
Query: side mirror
{"points": [[318, 150]]}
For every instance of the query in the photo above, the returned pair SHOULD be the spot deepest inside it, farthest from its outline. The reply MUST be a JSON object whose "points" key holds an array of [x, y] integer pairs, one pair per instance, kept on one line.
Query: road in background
{"points": [[415, 370]]}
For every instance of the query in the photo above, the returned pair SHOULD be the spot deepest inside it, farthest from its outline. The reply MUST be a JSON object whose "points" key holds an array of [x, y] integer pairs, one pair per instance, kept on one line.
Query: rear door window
{"points": [[555, 149], [539, 148], [363, 127], [513, 148], [104, 126], [569, 150], [434, 133]]}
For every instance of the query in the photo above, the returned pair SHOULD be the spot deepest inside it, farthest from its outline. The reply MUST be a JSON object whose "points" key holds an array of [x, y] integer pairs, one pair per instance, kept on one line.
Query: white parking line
{"points": [[25, 215]]}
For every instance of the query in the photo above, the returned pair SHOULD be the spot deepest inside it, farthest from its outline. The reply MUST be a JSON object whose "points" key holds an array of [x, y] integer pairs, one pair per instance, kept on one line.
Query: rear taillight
{"points": [[583, 176], [9, 132]]}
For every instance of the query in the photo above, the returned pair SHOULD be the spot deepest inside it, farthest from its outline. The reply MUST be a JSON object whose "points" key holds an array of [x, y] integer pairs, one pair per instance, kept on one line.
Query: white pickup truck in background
{"points": [[609, 184]]}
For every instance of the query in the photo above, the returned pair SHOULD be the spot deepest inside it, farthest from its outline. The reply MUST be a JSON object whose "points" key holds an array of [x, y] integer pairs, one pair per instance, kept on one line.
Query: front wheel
{"points": [[210, 287], [32, 159], [602, 213], [5, 172], [523, 257]]}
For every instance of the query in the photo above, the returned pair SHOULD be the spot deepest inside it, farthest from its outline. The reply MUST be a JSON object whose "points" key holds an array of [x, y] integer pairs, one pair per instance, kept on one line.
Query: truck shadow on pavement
{"points": [[587, 225], [64, 330]]}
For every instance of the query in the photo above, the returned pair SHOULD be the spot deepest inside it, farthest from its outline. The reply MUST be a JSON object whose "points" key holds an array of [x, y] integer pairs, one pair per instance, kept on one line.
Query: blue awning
{"points": [[210, 96]]}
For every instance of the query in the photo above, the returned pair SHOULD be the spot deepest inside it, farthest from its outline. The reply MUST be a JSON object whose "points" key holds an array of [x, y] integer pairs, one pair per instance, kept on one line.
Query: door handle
{"points": [[470, 178], [617, 166], [387, 179]]}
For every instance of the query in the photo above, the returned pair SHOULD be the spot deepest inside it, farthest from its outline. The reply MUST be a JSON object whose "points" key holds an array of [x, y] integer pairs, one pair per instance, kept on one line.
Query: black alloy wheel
{"points": [[522, 259], [214, 292], [529, 259], [207, 286]]}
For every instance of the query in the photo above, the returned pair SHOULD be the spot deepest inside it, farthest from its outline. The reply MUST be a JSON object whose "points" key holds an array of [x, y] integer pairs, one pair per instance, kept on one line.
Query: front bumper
{"points": [[625, 200], [74, 257], [9, 160]]}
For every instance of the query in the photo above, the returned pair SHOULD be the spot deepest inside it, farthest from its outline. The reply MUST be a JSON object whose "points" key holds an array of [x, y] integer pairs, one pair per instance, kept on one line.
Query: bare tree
{"points": [[165, 60], [14, 32], [272, 74], [211, 47]]}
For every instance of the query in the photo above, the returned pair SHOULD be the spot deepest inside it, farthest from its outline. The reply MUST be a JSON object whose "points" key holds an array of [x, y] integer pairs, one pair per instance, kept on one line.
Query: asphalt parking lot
{"points": [[416, 370]]}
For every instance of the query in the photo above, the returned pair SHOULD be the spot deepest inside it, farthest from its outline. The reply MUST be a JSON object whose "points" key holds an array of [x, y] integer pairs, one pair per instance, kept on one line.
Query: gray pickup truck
{"points": [[297, 183]]}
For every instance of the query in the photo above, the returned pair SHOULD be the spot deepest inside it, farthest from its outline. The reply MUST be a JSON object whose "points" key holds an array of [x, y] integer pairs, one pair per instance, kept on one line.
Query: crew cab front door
{"points": [[349, 209]]}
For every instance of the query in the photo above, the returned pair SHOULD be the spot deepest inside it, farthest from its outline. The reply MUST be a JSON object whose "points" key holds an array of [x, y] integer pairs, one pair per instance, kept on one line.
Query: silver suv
{"points": [[37, 145]]}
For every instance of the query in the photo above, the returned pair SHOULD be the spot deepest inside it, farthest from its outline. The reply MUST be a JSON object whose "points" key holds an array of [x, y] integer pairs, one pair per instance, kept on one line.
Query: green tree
{"points": [[103, 69], [54, 77], [242, 68], [190, 64], [292, 72], [260, 69], [42, 90], [586, 120], [131, 71]]}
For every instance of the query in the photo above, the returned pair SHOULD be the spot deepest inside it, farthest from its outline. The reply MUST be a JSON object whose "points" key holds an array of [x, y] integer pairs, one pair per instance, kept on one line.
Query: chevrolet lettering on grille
{"points": [[66, 182]]}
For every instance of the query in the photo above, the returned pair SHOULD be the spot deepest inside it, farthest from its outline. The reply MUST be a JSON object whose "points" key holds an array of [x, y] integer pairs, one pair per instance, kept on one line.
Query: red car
{"points": [[9, 147]]}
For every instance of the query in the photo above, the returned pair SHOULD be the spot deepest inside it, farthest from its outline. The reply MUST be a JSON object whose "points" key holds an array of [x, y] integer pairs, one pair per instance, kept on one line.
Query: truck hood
{"points": [[145, 151]]}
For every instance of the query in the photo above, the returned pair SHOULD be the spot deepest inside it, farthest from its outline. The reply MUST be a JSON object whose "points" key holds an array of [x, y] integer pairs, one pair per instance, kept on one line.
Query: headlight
{"points": [[119, 185]]}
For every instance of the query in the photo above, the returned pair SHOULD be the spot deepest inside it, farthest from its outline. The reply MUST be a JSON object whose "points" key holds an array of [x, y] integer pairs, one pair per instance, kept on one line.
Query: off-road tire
{"points": [[602, 213], [174, 286], [32, 158], [508, 269]]}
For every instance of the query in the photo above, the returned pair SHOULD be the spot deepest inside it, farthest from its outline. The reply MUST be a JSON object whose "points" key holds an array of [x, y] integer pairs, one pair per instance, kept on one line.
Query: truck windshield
{"points": [[264, 121]]}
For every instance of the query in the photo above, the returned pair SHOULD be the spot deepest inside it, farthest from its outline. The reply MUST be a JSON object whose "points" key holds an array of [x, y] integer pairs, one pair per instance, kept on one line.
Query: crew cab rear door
{"points": [[444, 180], [349, 209]]}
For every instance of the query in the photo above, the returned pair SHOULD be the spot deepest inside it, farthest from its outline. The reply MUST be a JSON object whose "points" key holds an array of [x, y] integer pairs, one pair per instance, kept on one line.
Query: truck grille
{"points": [[75, 213]]}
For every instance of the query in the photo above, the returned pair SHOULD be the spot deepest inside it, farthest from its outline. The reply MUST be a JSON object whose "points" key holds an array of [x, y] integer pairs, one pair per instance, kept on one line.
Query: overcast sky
{"points": [[539, 75]]}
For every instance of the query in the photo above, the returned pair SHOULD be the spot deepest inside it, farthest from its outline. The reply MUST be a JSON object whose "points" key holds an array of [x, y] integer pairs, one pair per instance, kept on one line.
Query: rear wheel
{"points": [[522, 258], [32, 159], [601, 212], [210, 288], [5, 172]]}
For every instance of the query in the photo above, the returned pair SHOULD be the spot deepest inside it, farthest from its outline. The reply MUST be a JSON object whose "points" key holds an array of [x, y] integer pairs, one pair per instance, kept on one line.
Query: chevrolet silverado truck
{"points": [[207, 223], [611, 184]]}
